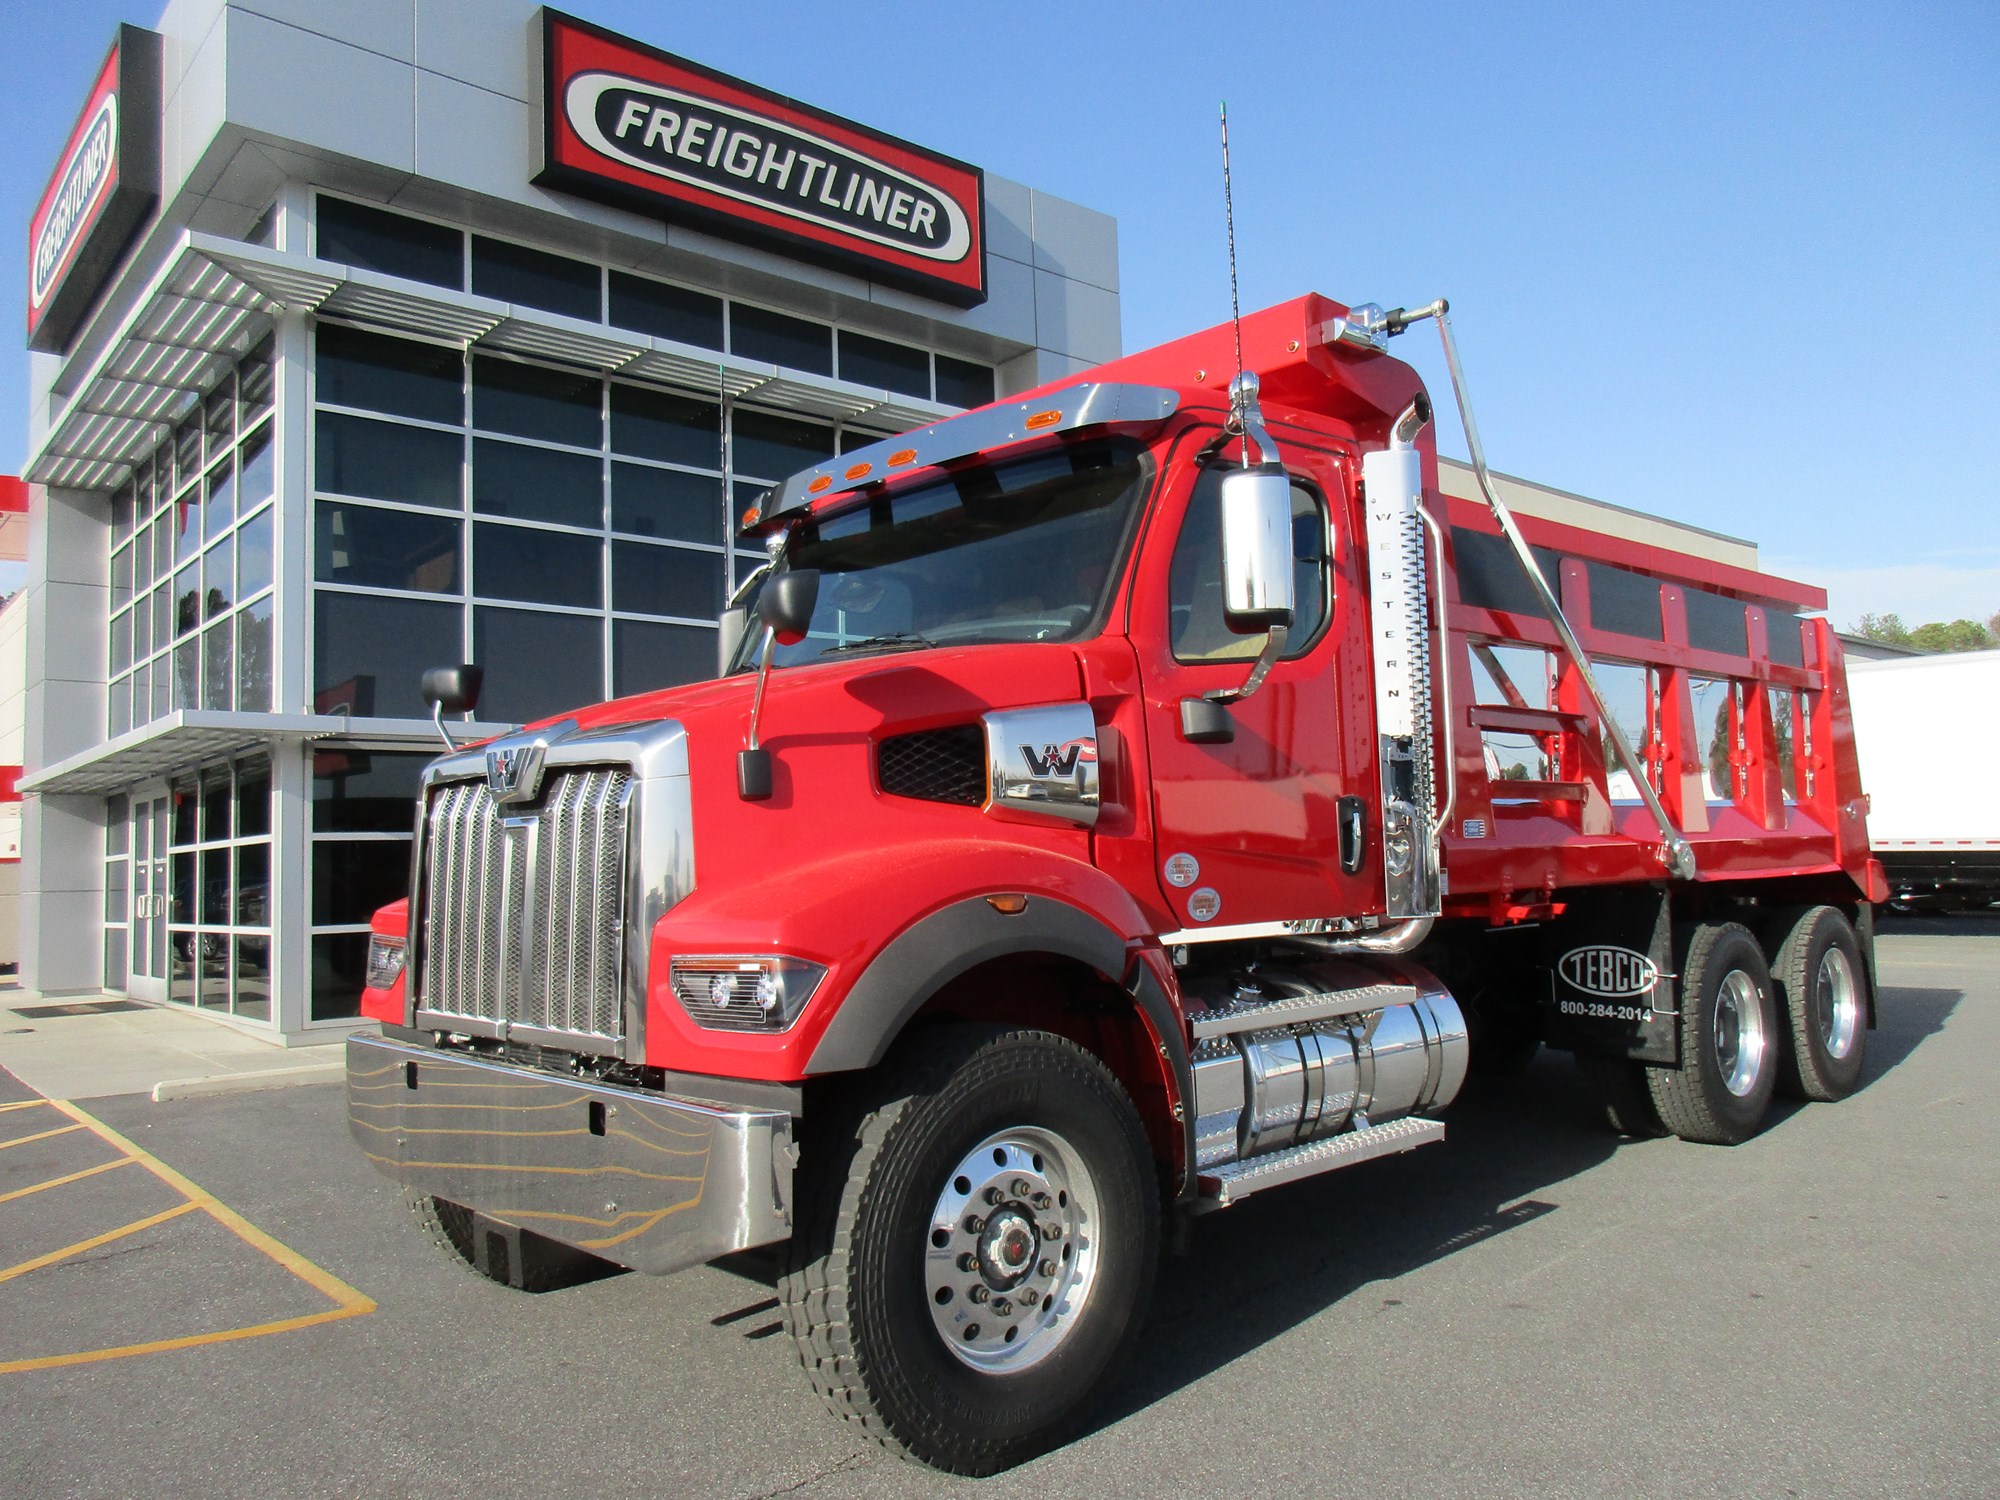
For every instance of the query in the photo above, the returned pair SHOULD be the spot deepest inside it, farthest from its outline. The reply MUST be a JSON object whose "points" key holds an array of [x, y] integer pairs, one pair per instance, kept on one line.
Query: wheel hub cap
{"points": [[1838, 1000], [1739, 1033]]}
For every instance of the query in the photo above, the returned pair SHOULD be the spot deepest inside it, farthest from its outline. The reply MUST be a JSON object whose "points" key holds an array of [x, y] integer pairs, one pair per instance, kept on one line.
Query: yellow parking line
{"points": [[56, 1182], [163, 1346], [22, 1140], [95, 1240], [350, 1302], [22, 1104]]}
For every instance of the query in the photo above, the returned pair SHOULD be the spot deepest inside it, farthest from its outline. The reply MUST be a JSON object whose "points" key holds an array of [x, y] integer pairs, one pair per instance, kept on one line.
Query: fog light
{"points": [[744, 991], [385, 960]]}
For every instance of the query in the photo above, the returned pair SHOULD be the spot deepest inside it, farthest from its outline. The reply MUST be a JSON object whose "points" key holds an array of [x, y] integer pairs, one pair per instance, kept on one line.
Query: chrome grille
{"points": [[522, 905]]}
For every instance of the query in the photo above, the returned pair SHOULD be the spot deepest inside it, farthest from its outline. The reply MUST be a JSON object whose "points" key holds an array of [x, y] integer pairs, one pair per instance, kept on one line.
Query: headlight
{"points": [[385, 961], [744, 991]]}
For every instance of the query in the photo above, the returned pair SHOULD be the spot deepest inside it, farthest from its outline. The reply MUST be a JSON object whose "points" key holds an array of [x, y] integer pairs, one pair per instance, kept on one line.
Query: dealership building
{"points": [[368, 338]]}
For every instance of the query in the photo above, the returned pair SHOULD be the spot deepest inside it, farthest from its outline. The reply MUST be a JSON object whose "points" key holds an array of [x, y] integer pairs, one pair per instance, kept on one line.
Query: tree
{"points": [[1888, 629], [1934, 635]]}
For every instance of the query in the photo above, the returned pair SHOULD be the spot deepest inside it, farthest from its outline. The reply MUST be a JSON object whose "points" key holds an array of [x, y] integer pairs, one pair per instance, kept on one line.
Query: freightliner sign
{"points": [[642, 128]]}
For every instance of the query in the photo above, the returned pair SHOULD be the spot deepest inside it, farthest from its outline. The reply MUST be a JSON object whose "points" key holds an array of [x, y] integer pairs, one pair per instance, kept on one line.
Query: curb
{"points": [[244, 1083]]}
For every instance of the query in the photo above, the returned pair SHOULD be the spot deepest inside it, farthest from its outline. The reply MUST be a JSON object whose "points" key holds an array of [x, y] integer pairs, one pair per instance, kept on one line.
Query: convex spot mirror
{"points": [[454, 690], [1257, 574], [786, 604]]}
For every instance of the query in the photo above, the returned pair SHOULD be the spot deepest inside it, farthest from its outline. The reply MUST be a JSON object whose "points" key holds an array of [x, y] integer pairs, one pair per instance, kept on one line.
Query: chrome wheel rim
{"points": [[1739, 1033], [1837, 1000], [1012, 1254]]}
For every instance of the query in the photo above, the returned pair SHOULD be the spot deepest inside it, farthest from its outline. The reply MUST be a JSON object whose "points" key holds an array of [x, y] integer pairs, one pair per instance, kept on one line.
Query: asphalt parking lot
{"points": [[216, 1296]]}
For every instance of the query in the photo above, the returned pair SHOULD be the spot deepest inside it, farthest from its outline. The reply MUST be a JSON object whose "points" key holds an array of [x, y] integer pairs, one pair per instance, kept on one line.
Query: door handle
{"points": [[1352, 813]]}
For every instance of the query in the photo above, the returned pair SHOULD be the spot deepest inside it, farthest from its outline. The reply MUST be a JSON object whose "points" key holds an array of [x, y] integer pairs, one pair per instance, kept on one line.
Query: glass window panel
{"points": [[557, 406], [180, 967], [356, 234], [118, 713], [121, 641], [141, 616], [218, 577], [773, 447], [253, 798], [121, 577], [645, 656], [216, 806], [116, 976], [117, 825], [187, 674], [253, 657], [163, 685], [1199, 628], [746, 564], [365, 791], [757, 333], [371, 651], [142, 559], [253, 385], [354, 878], [253, 978], [256, 479], [219, 509], [398, 376], [858, 437], [214, 951], [388, 461], [186, 809], [217, 888], [537, 567], [537, 664], [666, 503], [1628, 691], [253, 885], [367, 546], [142, 701], [187, 599], [674, 429], [220, 421], [650, 580], [187, 451], [1782, 703], [166, 605], [962, 383], [218, 673], [339, 968], [1714, 729], [253, 554], [166, 532], [895, 367], [537, 484], [187, 526], [668, 312], [121, 514], [555, 283]]}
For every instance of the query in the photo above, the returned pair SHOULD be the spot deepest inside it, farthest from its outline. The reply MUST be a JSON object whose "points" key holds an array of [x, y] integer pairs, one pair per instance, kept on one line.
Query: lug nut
{"points": [[992, 1196], [1052, 1231], [968, 1262], [974, 1224], [1047, 1268], [1028, 1296], [1002, 1307], [1022, 1187], [978, 1294], [1043, 1201]]}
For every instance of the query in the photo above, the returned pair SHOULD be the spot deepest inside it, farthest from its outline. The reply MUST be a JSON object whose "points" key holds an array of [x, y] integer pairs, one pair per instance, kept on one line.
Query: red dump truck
{"points": [[1127, 798]]}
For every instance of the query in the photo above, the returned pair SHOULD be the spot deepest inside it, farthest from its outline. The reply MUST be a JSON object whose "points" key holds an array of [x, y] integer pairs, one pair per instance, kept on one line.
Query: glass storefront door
{"points": [[150, 894]]}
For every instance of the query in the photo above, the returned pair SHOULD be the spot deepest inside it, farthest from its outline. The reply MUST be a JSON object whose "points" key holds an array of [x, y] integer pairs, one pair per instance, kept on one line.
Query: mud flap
{"points": [[1611, 986]]}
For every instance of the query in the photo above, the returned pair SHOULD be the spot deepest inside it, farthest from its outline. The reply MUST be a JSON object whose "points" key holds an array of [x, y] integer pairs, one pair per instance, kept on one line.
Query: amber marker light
{"points": [[902, 456], [1043, 419], [1008, 906], [753, 515], [860, 471], [820, 485]]}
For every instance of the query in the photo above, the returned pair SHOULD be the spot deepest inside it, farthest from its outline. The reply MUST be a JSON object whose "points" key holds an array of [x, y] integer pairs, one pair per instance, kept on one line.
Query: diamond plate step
{"points": [[1296, 1010], [1222, 1186]]}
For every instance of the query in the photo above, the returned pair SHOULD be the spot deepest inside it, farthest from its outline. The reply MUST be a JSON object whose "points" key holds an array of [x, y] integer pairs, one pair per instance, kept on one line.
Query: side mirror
{"points": [[454, 690], [1256, 549], [786, 604]]}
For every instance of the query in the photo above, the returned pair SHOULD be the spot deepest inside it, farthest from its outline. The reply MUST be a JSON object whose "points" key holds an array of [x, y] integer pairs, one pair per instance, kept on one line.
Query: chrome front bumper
{"points": [[653, 1183]]}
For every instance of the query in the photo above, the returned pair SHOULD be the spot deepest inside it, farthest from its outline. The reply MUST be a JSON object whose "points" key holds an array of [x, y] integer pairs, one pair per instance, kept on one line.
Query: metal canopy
{"points": [[216, 297], [191, 735]]}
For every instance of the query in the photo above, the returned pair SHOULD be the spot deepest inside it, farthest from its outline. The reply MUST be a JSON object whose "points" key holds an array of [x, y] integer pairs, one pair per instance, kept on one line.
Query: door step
{"points": [[1223, 1185]]}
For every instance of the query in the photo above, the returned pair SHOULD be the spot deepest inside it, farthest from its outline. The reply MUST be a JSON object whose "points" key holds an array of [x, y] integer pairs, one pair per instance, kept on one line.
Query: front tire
{"points": [[1729, 1039], [1823, 999], [972, 1264]]}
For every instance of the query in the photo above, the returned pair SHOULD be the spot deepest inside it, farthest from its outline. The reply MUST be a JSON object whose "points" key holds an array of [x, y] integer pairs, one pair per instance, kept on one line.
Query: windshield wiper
{"points": [[899, 641]]}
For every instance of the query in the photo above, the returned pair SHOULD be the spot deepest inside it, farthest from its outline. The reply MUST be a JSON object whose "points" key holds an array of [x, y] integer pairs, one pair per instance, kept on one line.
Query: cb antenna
{"points": [[1235, 308]]}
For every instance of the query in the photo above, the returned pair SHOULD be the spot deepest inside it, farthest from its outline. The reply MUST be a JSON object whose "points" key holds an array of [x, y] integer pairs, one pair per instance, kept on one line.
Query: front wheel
{"points": [[970, 1270]]}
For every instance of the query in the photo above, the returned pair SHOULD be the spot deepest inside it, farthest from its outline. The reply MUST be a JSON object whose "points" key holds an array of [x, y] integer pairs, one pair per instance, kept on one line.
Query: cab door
{"points": [[1250, 831]]}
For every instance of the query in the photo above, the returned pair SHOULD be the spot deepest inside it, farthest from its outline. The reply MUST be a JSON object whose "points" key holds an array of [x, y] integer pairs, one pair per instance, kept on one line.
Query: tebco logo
{"points": [[752, 159], [83, 183], [1609, 972]]}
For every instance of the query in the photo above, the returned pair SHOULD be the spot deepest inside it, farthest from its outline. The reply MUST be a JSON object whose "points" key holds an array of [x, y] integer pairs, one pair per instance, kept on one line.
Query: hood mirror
{"points": [[452, 690], [787, 602]]}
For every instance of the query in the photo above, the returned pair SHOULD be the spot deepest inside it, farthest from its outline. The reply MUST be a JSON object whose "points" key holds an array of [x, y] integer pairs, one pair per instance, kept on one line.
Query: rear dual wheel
{"points": [[1729, 1039], [1822, 987]]}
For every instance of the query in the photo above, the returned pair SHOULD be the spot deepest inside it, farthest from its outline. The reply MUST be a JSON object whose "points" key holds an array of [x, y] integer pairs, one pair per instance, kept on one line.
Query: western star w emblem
{"points": [[1058, 760], [514, 771], [689, 139]]}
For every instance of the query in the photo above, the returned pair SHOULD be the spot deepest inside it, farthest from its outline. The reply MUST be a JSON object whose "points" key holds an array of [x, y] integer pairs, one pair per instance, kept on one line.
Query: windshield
{"points": [[1020, 551]]}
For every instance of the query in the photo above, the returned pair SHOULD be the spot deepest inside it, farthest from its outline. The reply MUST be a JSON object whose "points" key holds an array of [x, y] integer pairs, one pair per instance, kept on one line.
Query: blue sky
{"points": [[1733, 264]]}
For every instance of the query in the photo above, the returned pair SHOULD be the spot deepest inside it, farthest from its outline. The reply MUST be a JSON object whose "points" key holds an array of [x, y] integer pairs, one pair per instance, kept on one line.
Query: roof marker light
{"points": [[820, 485], [902, 456], [1043, 419], [860, 471]]}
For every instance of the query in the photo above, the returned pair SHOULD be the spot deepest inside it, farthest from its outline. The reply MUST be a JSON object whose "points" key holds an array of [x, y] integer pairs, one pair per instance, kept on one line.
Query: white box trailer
{"points": [[1925, 728]]}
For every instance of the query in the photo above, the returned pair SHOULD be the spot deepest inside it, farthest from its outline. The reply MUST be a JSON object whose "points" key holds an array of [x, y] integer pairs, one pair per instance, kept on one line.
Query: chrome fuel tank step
{"points": [[1318, 1053], [1224, 1185]]}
